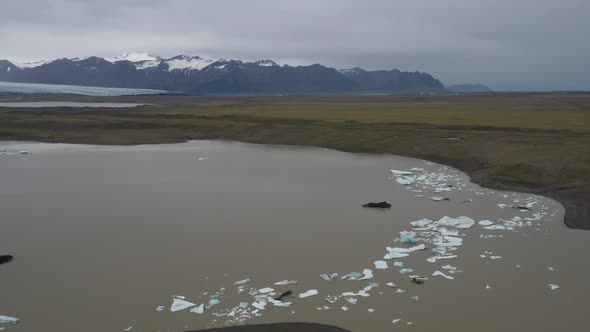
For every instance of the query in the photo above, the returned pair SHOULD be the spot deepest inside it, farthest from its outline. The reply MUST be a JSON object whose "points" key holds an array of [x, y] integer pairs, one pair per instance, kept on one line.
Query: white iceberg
{"points": [[180, 304], [381, 265], [421, 223], [285, 282], [309, 293], [242, 282], [266, 290], [435, 258], [198, 310], [406, 180], [401, 252], [438, 273], [400, 173], [553, 286], [459, 222], [8, 320], [408, 237], [485, 223]]}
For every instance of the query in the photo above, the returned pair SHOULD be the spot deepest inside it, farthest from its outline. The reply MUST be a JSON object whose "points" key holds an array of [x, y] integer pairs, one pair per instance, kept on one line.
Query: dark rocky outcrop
{"points": [[5, 258], [380, 205]]}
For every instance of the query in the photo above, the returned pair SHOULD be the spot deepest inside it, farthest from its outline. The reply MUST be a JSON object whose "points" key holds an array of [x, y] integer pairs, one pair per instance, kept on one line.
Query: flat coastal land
{"points": [[530, 142]]}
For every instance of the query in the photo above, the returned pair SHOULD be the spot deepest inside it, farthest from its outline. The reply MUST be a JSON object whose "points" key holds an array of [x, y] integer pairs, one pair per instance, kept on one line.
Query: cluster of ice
{"points": [[436, 241]]}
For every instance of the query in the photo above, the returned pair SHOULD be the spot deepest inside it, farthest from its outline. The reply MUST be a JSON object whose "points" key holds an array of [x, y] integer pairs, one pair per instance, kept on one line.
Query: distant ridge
{"points": [[196, 75]]}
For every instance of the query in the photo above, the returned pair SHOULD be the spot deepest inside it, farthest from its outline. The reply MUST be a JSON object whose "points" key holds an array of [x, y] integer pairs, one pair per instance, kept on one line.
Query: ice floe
{"points": [[381, 265], [8, 320], [180, 304], [309, 293]]}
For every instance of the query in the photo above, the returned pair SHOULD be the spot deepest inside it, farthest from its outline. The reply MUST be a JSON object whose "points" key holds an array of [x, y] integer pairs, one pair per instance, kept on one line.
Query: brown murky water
{"points": [[104, 235]]}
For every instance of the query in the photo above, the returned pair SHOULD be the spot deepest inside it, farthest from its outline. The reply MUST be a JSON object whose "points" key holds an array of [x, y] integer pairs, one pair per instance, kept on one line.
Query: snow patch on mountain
{"points": [[133, 57], [185, 62], [32, 64]]}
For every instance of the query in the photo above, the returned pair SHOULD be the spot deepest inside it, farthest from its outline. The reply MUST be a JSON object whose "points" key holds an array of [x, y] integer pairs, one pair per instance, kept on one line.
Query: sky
{"points": [[509, 45]]}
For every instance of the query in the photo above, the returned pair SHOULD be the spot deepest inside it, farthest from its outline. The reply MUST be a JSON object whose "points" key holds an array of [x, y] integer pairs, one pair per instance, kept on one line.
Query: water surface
{"points": [[103, 236]]}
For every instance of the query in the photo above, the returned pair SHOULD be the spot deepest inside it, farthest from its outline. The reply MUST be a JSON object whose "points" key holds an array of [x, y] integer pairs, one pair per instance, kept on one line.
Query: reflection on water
{"points": [[107, 238]]}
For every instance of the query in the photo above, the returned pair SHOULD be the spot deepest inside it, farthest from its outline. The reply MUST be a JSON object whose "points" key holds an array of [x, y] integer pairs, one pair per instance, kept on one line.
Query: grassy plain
{"points": [[529, 142]]}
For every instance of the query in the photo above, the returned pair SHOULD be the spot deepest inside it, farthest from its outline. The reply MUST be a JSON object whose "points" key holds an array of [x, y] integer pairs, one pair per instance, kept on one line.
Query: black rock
{"points": [[381, 205], [283, 295], [418, 281], [5, 258]]}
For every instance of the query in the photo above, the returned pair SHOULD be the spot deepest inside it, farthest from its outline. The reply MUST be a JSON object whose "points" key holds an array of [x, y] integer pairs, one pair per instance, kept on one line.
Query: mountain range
{"points": [[198, 76]]}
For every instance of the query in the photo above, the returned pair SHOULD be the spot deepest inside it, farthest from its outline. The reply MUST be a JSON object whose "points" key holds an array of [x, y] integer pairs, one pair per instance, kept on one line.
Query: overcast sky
{"points": [[505, 44]]}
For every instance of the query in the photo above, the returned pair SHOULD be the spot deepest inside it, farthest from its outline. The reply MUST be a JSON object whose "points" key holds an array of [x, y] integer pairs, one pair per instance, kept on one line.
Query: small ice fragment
{"points": [[160, 308], [495, 227], [329, 277], [399, 173], [399, 290], [550, 268], [371, 310], [391, 284], [488, 287], [459, 222], [352, 300], [344, 308], [447, 232], [8, 320], [421, 222], [242, 282], [408, 237], [438, 273], [198, 310], [406, 271], [260, 305], [285, 282], [417, 169], [128, 329], [439, 198], [244, 305], [395, 321], [402, 252], [406, 180], [180, 304], [485, 223], [367, 274], [495, 257], [310, 292], [213, 302], [398, 264], [381, 265], [415, 298], [266, 290], [352, 276], [449, 267], [278, 303], [435, 258], [518, 266], [553, 286]]}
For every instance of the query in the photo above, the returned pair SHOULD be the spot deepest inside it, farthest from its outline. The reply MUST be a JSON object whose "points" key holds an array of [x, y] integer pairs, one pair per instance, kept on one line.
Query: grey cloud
{"points": [[516, 45]]}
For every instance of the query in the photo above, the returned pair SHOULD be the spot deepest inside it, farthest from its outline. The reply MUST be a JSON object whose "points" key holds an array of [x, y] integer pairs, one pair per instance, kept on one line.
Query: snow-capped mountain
{"points": [[133, 57], [196, 75]]}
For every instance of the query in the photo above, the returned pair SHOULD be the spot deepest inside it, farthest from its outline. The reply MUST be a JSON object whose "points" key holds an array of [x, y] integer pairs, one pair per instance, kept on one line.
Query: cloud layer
{"points": [[508, 45]]}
